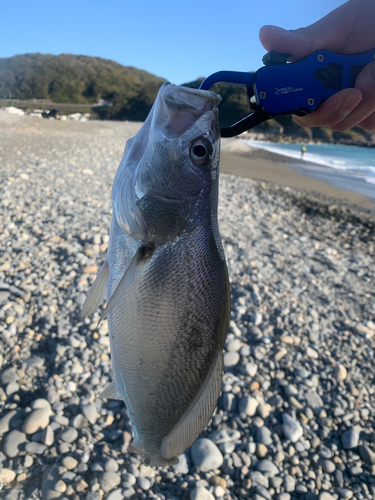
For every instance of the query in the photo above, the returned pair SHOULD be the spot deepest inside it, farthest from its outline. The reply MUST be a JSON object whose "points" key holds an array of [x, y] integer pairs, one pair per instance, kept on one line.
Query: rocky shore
{"points": [[296, 417]]}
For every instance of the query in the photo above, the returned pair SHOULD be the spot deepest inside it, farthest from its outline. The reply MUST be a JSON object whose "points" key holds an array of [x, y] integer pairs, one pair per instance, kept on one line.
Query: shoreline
{"points": [[258, 164]]}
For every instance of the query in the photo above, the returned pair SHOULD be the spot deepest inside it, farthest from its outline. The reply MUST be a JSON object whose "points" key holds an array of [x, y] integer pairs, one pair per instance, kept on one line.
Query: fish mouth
{"points": [[180, 107], [185, 98]]}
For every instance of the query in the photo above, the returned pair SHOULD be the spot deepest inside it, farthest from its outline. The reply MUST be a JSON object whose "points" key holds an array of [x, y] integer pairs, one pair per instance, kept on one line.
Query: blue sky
{"points": [[173, 39]]}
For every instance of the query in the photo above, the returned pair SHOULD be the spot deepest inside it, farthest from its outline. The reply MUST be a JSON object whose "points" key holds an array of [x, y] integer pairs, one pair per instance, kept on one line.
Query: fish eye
{"points": [[201, 151]]}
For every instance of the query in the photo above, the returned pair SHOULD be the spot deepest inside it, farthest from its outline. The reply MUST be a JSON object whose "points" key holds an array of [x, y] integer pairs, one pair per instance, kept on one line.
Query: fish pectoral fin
{"points": [[110, 392], [97, 292], [134, 268], [192, 423]]}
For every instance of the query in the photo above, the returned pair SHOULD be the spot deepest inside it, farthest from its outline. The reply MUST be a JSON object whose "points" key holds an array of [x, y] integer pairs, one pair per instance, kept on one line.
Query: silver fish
{"points": [[166, 277]]}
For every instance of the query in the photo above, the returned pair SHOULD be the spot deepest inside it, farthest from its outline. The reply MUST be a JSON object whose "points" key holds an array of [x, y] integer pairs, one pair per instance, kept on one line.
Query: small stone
{"points": [[36, 421], [12, 388], [291, 428], [40, 403], [109, 481], [326, 496], [328, 466], [111, 465], [233, 345], [13, 443], [219, 481], [224, 435], [6, 421], [116, 495], [311, 353], [144, 483], [219, 492], [280, 354], [262, 450], [248, 405], [264, 410], [90, 412], [345, 493], [80, 485], [48, 436], [264, 436], [8, 376], [340, 372], [289, 483], [231, 359], [35, 362], [206, 455], [200, 493], [7, 476], [36, 448], [69, 463], [69, 435], [367, 455], [350, 439], [182, 467], [256, 318], [90, 269], [60, 486], [267, 467]]}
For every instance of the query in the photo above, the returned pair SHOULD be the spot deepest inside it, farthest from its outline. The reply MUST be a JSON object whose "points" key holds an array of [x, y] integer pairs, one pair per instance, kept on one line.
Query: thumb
{"points": [[329, 33], [299, 43]]}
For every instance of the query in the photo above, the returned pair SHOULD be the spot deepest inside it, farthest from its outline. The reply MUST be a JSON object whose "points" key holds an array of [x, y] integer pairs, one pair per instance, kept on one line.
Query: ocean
{"points": [[345, 167]]}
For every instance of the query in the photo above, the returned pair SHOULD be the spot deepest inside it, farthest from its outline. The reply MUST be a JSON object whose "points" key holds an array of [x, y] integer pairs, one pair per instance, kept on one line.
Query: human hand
{"points": [[350, 29]]}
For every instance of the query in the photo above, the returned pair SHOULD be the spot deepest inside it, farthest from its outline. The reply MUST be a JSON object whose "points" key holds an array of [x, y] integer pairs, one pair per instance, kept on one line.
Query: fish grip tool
{"points": [[280, 88]]}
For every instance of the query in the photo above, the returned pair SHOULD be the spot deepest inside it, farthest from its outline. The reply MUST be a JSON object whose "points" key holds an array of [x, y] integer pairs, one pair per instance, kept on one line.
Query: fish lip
{"points": [[180, 97]]}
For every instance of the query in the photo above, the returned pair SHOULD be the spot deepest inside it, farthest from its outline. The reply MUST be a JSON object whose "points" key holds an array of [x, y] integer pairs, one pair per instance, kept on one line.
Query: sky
{"points": [[177, 40]]}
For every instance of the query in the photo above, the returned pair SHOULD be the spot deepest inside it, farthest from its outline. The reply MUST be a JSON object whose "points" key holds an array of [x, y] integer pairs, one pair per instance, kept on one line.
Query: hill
{"points": [[67, 78]]}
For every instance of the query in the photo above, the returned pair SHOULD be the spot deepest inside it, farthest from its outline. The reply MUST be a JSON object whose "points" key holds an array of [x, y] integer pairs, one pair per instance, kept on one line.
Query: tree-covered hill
{"points": [[67, 78]]}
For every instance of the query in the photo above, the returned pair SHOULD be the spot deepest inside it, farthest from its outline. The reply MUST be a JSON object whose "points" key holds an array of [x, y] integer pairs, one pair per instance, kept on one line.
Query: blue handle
{"points": [[301, 86]]}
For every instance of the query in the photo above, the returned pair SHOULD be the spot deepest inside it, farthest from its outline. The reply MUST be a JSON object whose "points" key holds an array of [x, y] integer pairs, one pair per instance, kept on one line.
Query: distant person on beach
{"points": [[349, 29], [303, 150]]}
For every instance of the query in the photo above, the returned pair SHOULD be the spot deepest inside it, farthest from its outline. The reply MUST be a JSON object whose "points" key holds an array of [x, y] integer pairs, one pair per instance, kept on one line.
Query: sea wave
{"points": [[348, 164], [370, 180]]}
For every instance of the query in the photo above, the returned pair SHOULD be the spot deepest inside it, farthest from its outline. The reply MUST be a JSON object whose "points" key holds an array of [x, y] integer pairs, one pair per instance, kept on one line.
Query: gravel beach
{"points": [[296, 417]]}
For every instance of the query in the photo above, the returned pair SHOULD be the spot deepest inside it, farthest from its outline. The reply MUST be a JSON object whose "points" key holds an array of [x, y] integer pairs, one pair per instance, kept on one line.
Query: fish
{"points": [[166, 277]]}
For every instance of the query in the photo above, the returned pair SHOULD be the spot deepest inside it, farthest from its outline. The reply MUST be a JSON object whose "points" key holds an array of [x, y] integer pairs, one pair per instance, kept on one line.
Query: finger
{"points": [[365, 83], [334, 110], [369, 123]]}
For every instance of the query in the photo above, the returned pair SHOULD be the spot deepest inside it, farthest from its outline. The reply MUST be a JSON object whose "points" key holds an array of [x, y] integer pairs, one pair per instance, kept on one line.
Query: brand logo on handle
{"points": [[288, 90]]}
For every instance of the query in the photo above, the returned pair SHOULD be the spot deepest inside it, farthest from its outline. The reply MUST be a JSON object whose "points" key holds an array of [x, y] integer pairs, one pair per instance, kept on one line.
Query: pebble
{"points": [[69, 435], [367, 455], [200, 493], [206, 455], [36, 421], [144, 483], [90, 412], [350, 439], [248, 405], [291, 428], [69, 463], [7, 476], [109, 480], [289, 483], [267, 467], [13, 443], [340, 372], [231, 359], [116, 495]]}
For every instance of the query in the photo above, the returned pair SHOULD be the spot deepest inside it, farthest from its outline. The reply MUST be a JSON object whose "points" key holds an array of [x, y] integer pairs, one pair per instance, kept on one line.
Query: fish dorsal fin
{"points": [[135, 266], [193, 422], [98, 291], [110, 392]]}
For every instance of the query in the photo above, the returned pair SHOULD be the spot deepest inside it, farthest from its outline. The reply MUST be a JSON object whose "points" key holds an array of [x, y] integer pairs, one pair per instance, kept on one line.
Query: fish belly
{"points": [[167, 334]]}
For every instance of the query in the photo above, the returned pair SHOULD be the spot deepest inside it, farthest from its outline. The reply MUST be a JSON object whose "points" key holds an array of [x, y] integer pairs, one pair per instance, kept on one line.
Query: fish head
{"points": [[169, 171]]}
